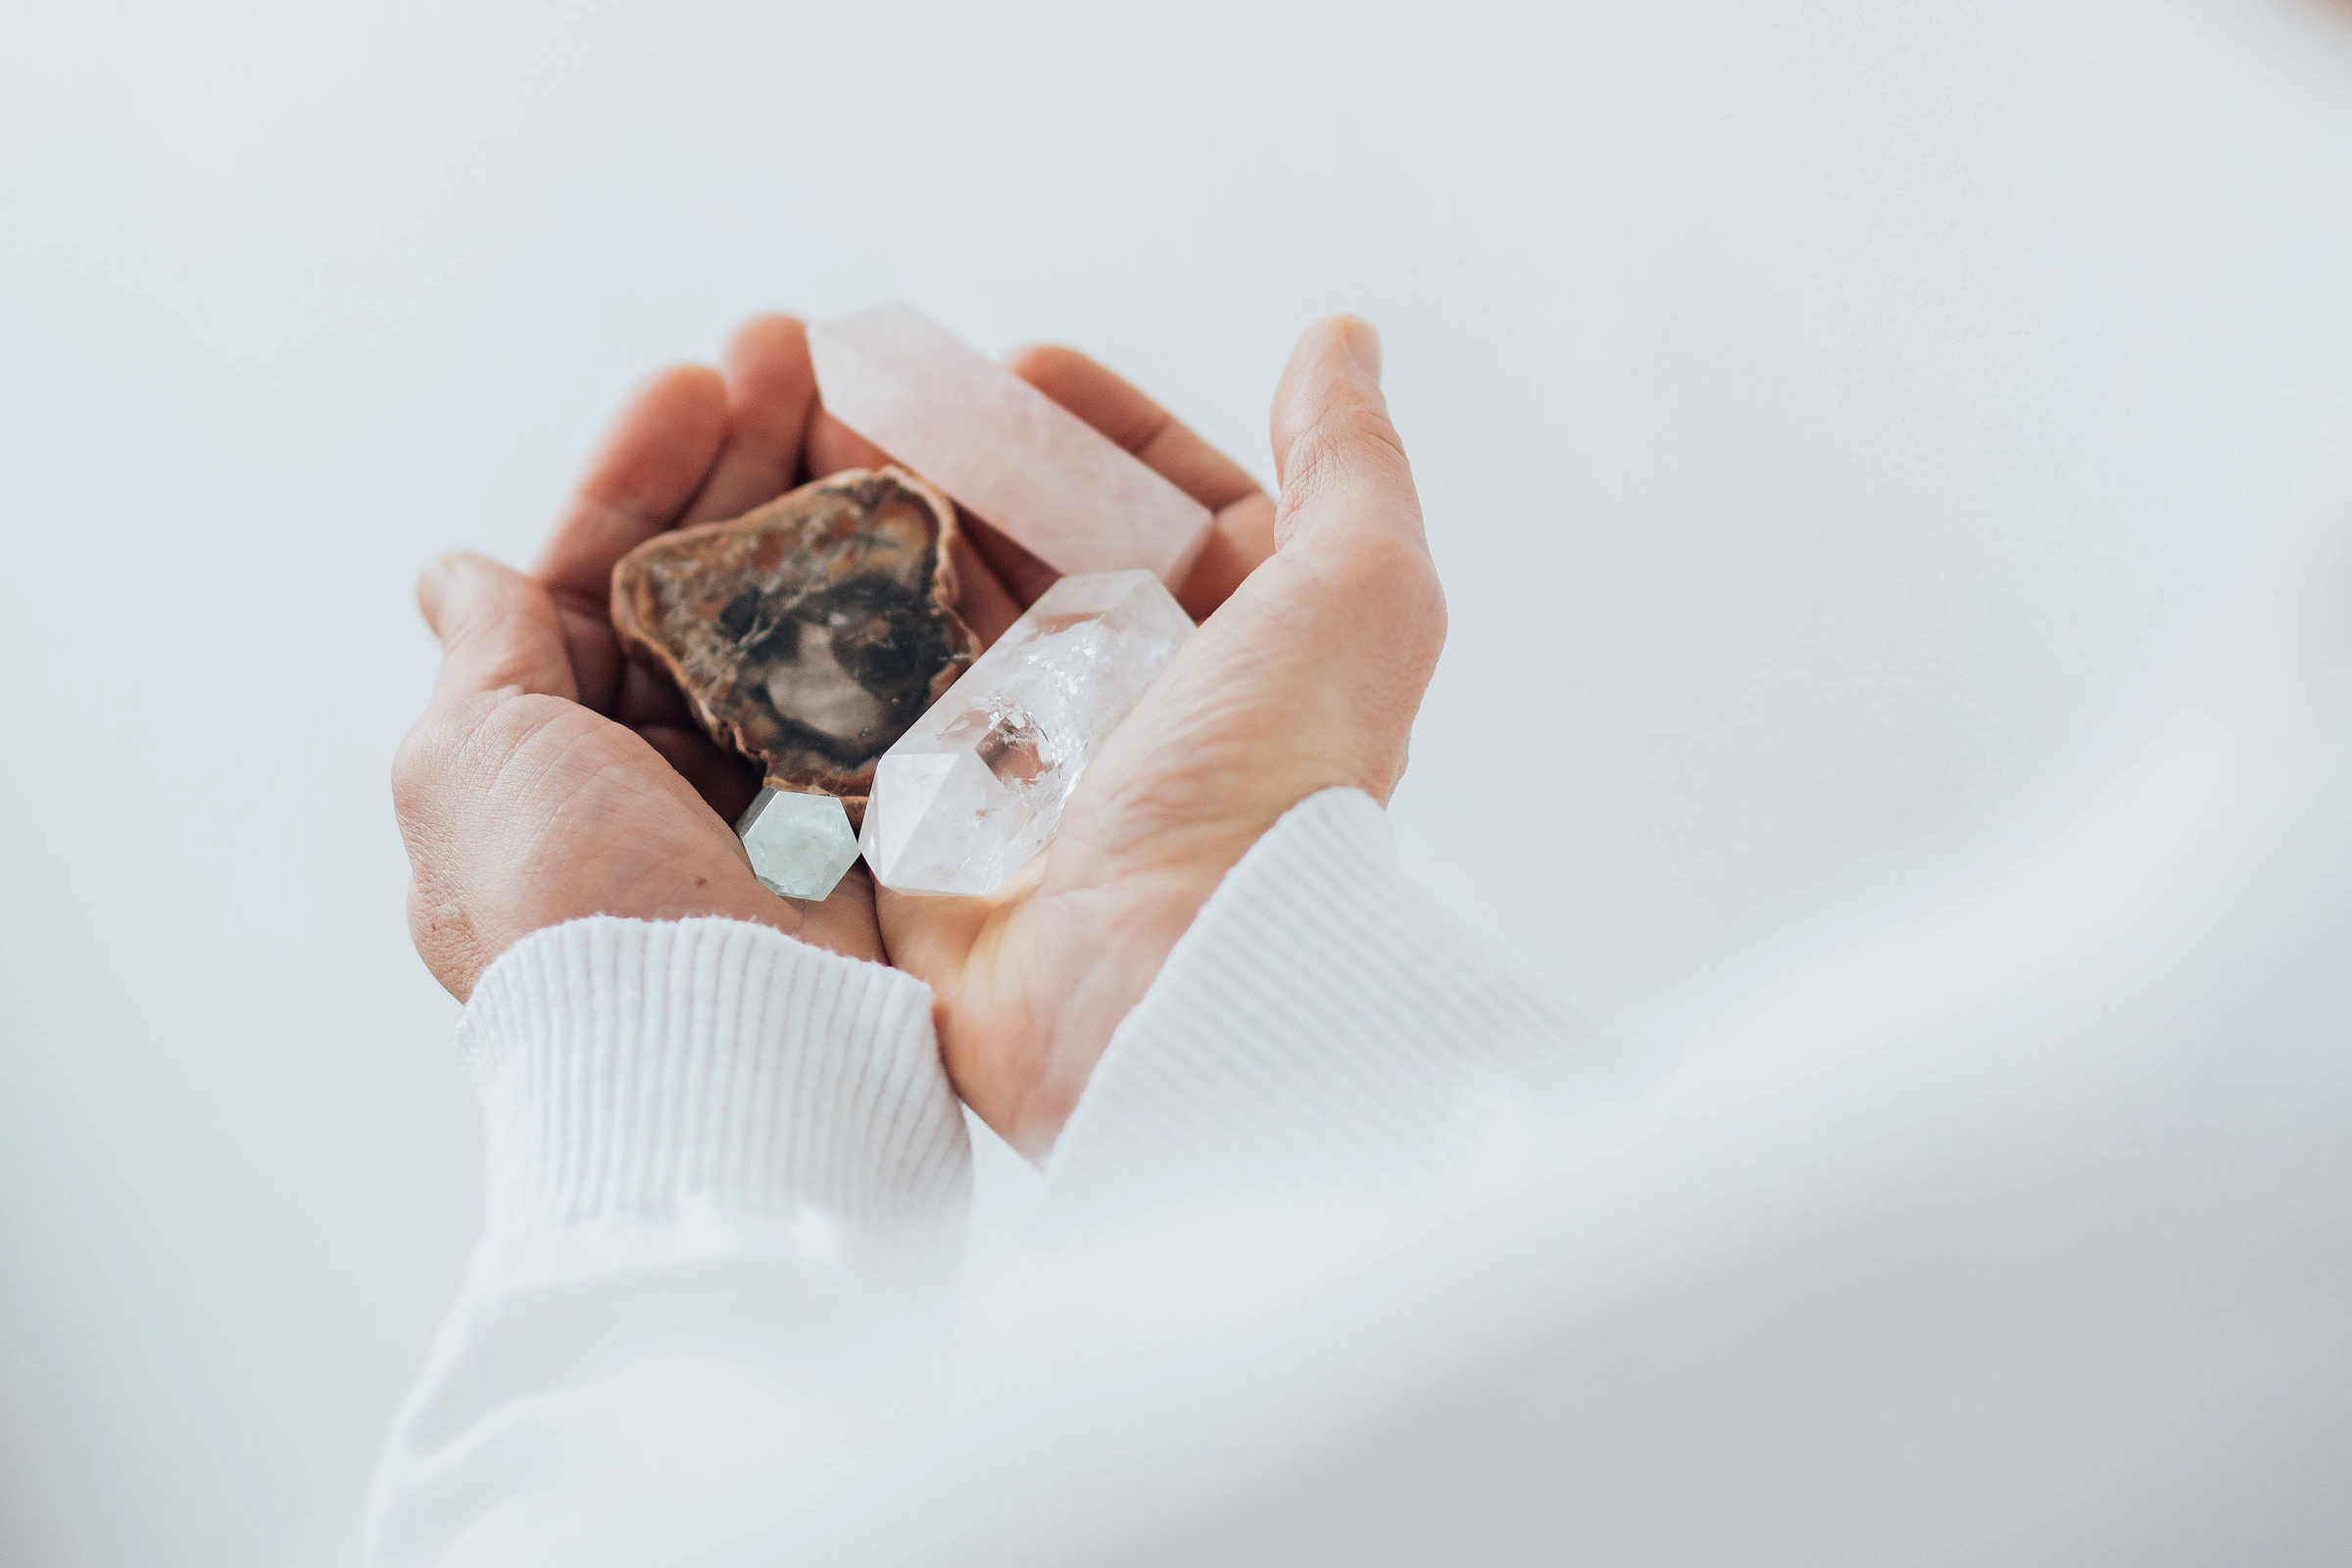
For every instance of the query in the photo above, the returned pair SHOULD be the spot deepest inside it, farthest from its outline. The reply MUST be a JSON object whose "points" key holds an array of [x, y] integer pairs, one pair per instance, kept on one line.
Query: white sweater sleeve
{"points": [[723, 1168], [727, 1177], [1322, 1030]]}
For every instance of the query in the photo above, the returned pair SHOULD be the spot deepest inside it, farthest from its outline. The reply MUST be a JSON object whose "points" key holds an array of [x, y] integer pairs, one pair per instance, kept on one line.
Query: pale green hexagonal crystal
{"points": [[801, 845]]}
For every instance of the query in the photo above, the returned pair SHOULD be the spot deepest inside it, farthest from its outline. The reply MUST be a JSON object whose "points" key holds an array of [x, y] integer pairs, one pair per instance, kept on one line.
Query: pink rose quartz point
{"points": [[1040, 475]]}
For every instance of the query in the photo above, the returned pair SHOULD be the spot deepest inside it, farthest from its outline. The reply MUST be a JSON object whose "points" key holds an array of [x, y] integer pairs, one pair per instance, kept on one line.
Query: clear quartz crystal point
{"points": [[800, 845], [976, 787]]}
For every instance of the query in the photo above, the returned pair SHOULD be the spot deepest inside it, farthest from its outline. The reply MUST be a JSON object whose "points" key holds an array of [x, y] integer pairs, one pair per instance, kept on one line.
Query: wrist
{"points": [[642, 1072], [1117, 930]]}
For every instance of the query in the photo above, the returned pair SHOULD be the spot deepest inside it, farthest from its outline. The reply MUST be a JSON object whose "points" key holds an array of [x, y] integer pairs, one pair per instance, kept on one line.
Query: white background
{"points": [[1833, 419]]}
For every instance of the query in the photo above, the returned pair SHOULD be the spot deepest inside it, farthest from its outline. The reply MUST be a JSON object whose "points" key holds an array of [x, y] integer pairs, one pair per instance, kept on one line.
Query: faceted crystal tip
{"points": [[976, 787], [801, 845]]}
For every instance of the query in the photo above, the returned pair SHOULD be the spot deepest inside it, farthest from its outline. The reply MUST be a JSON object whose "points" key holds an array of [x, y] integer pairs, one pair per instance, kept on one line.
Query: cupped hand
{"points": [[550, 778], [1321, 621]]}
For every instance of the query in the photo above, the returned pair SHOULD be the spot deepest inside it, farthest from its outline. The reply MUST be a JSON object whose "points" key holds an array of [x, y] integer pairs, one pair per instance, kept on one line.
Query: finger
{"points": [[498, 629], [1021, 575], [1242, 533], [1241, 537], [724, 780], [844, 920], [982, 601], [772, 391], [1350, 588], [1345, 477], [650, 466], [1122, 412], [647, 697], [833, 446]]}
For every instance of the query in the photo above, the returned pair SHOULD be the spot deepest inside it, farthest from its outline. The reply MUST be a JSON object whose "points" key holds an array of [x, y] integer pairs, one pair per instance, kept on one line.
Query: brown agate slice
{"points": [[810, 633]]}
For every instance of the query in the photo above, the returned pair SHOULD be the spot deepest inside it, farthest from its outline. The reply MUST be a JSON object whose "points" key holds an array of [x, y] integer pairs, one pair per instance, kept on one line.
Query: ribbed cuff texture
{"points": [[1321, 1028], [629, 1070]]}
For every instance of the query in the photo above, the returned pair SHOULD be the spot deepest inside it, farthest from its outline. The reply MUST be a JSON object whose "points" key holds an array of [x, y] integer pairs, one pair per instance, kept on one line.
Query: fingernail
{"points": [[1363, 342]]}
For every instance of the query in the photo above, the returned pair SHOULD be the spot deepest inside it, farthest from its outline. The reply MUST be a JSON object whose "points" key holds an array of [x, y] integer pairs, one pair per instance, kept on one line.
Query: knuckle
{"points": [[1384, 588], [486, 609], [1365, 430], [1386, 570], [1343, 442], [418, 763], [1316, 462], [506, 719], [1349, 457], [450, 739]]}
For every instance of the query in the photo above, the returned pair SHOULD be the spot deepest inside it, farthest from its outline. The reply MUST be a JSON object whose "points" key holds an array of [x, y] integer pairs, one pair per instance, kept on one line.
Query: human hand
{"points": [[1322, 624], [550, 778]]}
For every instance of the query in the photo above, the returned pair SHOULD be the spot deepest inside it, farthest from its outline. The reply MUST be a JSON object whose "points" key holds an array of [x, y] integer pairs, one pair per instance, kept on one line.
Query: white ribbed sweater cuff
{"points": [[1321, 1029], [633, 1072]]}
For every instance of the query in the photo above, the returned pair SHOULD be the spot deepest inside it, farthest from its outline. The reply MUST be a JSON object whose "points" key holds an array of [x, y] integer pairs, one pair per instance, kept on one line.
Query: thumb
{"points": [[1353, 562], [1342, 468], [498, 628]]}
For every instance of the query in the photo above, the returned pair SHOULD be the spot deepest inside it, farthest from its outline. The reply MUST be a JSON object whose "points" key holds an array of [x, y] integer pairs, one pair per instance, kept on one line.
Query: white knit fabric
{"points": [[2003, 1234], [728, 1176], [627, 1069], [705, 1138], [1321, 1029]]}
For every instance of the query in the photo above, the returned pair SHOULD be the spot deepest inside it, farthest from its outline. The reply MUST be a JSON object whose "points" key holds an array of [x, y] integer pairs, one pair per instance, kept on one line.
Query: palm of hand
{"points": [[559, 800], [1304, 675], [1032, 981], [550, 778]]}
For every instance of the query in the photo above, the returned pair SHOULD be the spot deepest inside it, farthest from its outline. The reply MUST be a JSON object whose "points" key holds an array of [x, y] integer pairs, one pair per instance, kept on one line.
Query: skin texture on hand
{"points": [[551, 779], [1321, 624]]}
